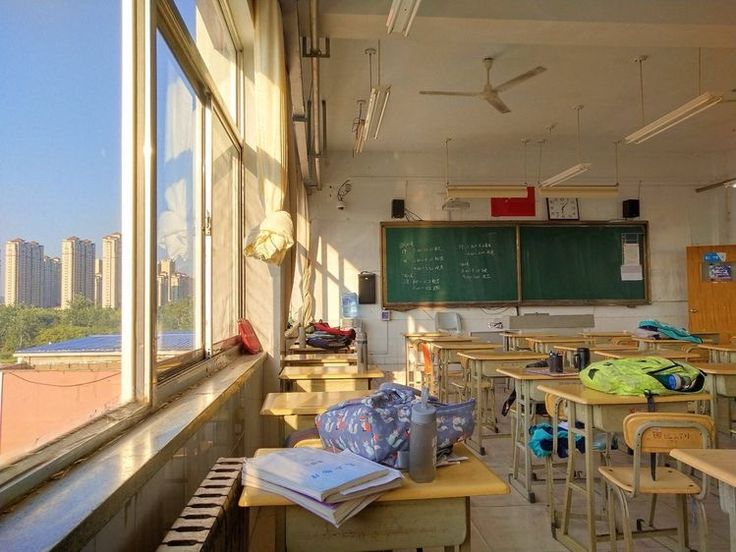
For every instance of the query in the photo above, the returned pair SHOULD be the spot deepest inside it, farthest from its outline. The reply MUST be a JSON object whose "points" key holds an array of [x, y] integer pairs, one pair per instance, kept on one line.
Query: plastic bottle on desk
{"points": [[349, 305], [361, 348], [423, 441]]}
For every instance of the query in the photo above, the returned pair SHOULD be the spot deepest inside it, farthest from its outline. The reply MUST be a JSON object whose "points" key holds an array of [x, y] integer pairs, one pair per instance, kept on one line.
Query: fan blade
{"points": [[496, 102], [521, 78], [441, 93]]}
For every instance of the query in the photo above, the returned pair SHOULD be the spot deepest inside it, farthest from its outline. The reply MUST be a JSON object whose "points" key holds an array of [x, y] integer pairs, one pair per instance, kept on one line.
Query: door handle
{"points": [[692, 310]]}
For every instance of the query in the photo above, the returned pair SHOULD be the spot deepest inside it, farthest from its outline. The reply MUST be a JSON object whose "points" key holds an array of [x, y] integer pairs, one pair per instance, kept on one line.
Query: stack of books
{"points": [[334, 486]]}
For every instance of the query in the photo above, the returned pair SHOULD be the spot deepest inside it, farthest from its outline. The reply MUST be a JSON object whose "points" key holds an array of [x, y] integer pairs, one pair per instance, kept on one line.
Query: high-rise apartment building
{"points": [[51, 282], [180, 286], [77, 270], [23, 272], [98, 282], [111, 271], [162, 289]]}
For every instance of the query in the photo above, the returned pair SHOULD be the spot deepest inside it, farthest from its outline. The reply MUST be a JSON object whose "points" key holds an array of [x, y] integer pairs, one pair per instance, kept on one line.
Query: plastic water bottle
{"points": [[349, 305], [423, 441], [302, 337], [675, 382]]}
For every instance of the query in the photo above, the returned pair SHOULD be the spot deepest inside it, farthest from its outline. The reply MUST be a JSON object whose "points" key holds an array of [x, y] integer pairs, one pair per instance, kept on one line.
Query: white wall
{"points": [[346, 242]]}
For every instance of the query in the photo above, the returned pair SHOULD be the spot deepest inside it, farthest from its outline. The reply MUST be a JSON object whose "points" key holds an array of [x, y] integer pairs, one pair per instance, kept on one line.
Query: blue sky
{"points": [[59, 120]]}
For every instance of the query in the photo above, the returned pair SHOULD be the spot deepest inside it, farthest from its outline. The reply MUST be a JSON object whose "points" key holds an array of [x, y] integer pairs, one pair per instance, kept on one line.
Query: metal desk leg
{"points": [[714, 406], [589, 478], [728, 505], [476, 380], [520, 441]]}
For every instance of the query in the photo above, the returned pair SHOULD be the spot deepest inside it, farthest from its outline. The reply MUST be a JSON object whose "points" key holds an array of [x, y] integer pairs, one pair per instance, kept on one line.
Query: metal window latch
{"points": [[207, 228]]}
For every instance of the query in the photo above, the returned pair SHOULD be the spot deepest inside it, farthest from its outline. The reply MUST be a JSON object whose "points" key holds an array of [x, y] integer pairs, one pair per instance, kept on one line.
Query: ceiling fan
{"points": [[489, 92]]}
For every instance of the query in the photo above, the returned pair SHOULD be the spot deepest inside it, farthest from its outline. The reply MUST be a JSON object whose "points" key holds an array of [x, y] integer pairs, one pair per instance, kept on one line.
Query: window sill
{"points": [[71, 509]]}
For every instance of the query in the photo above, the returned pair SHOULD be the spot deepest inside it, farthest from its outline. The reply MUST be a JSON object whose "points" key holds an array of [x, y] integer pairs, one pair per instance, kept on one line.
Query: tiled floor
{"points": [[511, 524]]}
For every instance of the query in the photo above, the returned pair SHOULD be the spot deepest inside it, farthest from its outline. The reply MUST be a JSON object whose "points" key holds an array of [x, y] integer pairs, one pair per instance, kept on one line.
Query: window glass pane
{"points": [[178, 239], [61, 218], [206, 24], [225, 159]]}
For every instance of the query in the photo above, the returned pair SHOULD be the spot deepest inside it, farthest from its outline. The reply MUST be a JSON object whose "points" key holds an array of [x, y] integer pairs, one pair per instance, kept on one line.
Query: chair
{"points": [[657, 433], [447, 322]]}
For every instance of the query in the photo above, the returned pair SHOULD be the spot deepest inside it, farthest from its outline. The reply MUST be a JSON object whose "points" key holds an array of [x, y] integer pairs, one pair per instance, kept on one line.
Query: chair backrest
{"points": [[660, 432], [624, 340], [447, 321], [427, 360], [555, 406]]}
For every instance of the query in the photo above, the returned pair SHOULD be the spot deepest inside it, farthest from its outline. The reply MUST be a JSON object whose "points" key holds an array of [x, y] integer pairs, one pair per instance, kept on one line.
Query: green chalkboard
{"points": [[583, 263], [525, 263], [448, 263]]}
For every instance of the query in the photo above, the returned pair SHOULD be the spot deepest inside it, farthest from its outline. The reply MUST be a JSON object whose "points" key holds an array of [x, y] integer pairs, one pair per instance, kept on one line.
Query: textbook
{"points": [[314, 472], [386, 482]]}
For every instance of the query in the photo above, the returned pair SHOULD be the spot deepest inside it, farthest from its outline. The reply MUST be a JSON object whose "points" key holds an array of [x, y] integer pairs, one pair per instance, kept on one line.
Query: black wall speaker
{"points": [[367, 287], [397, 208], [631, 208]]}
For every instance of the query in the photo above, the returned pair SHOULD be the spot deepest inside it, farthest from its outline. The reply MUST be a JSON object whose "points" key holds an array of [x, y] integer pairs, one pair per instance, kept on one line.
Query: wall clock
{"points": [[562, 208]]}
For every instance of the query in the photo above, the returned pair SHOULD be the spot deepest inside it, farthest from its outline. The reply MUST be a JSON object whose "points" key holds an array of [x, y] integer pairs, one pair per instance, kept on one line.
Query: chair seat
{"points": [[669, 481]]}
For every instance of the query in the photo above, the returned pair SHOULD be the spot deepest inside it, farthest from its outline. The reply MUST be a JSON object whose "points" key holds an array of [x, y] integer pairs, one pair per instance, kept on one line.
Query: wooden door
{"points": [[711, 302]]}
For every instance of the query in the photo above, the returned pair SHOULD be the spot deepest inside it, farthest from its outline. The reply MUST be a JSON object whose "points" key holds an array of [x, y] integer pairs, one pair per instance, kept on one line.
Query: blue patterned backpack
{"points": [[377, 426]]}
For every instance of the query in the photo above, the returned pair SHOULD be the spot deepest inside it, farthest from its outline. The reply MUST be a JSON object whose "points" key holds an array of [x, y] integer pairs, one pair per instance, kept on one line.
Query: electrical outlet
{"points": [[495, 324], [386, 315]]}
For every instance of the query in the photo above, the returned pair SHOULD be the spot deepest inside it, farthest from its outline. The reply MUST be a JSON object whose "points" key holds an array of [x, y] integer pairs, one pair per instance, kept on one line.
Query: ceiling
{"points": [[587, 46]]}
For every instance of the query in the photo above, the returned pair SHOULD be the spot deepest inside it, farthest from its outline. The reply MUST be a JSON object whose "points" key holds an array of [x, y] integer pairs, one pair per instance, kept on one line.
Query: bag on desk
{"points": [[328, 341], [377, 426], [641, 376]]}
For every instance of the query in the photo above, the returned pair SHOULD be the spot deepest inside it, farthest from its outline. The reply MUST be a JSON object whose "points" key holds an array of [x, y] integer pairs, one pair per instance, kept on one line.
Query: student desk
{"points": [[545, 344], [600, 350], [605, 412], [651, 344], [516, 340], [569, 350], [719, 464], [412, 516], [672, 354], [446, 352], [299, 409], [413, 346], [340, 377], [479, 366], [720, 381], [719, 352], [297, 359], [527, 397], [600, 338], [294, 348]]}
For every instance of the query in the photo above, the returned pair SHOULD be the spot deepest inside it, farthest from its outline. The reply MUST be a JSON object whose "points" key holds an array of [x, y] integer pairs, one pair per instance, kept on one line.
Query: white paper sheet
{"points": [[631, 273]]}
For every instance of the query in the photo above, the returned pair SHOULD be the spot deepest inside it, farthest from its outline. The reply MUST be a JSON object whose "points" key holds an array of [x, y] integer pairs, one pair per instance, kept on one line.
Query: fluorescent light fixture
{"points": [[485, 191], [675, 117], [580, 191], [453, 204], [359, 140], [565, 175], [728, 183], [376, 109], [401, 16]]}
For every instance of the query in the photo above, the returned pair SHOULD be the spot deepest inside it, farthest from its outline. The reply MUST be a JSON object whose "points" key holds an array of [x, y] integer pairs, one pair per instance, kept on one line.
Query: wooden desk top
{"points": [[717, 463], [578, 393], [314, 358], [444, 339], [502, 355], [558, 339], [463, 345], [468, 478], [653, 340], [292, 373], [723, 347], [422, 334], [520, 333], [306, 403], [594, 348], [623, 333], [525, 374], [295, 348], [665, 353], [716, 368]]}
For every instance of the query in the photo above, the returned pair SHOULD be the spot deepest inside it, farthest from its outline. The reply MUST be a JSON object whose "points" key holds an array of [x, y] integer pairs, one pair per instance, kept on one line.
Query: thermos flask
{"points": [[361, 346], [423, 442], [555, 362], [581, 358]]}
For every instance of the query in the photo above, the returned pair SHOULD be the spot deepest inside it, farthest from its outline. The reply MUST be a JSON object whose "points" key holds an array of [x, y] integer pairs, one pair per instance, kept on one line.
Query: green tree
{"points": [[176, 315]]}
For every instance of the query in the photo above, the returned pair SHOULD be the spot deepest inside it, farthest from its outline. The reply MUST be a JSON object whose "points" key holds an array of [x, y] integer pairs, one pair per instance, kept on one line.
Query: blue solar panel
{"points": [[169, 341]]}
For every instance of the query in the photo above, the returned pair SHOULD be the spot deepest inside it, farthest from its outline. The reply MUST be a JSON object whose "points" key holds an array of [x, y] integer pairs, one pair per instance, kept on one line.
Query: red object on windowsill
{"points": [[251, 344], [514, 206]]}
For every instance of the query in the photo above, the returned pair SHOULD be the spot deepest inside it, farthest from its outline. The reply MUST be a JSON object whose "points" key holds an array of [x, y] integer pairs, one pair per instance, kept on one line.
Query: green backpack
{"points": [[639, 376]]}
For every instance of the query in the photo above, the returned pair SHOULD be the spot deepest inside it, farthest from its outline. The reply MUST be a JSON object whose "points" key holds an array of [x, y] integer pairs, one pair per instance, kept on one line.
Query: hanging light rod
{"points": [[580, 191], [573, 171], [358, 129], [485, 191], [703, 101], [378, 99], [728, 183], [401, 16]]}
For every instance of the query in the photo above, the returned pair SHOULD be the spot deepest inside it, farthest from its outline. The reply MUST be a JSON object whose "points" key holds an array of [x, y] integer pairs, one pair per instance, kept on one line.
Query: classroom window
{"points": [[61, 256]]}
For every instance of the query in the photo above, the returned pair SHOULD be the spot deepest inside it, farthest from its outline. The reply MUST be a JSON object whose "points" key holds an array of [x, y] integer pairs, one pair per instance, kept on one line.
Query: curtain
{"points": [[270, 240]]}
